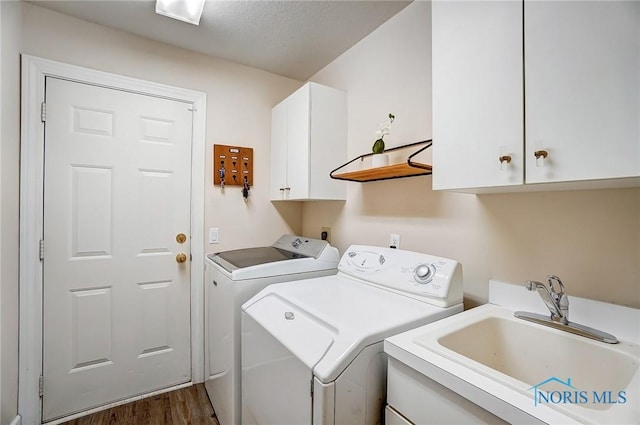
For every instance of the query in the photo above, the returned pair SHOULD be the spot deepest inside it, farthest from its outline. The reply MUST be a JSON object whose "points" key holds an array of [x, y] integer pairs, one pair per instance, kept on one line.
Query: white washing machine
{"points": [[232, 277], [312, 351]]}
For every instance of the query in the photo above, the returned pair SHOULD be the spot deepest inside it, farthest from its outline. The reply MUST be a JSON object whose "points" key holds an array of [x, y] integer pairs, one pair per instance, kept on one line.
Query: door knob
{"points": [[181, 258], [181, 238]]}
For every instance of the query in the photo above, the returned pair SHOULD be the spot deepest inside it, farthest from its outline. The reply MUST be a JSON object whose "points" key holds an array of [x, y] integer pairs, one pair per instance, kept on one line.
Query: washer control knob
{"points": [[423, 273]]}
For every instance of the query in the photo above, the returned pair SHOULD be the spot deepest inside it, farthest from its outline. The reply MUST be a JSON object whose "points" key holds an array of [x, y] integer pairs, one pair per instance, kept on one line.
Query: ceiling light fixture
{"points": [[184, 10]]}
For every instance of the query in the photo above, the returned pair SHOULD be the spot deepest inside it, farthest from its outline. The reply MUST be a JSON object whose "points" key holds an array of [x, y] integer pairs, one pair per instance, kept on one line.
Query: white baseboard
{"points": [[17, 420]]}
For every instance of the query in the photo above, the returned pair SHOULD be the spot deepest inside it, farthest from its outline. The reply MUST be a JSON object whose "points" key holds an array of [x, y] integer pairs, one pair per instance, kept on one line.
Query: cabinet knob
{"points": [[505, 158], [541, 154]]}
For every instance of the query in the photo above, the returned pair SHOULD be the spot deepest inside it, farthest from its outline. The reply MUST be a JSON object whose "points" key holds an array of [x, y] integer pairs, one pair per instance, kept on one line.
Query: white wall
{"points": [[9, 197], [591, 239]]}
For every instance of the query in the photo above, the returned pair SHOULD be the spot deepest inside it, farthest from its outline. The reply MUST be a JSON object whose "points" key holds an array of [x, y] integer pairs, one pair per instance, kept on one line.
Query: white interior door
{"points": [[117, 192]]}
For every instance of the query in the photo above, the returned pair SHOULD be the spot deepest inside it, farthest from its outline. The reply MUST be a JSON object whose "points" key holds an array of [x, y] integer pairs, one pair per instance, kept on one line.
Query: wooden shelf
{"points": [[395, 171], [384, 173]]}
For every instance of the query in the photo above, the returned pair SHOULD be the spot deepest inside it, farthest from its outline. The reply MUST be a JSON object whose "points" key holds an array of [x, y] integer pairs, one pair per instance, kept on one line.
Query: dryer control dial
{"points": [[424, 273]]}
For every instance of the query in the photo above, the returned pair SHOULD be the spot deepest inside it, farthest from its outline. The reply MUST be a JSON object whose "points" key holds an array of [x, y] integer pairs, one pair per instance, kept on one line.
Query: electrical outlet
{"points": [[394, 241], [325, 234]]}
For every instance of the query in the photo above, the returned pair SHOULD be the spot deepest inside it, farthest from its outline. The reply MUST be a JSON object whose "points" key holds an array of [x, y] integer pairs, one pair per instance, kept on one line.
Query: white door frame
{"points": [[34, 72]]}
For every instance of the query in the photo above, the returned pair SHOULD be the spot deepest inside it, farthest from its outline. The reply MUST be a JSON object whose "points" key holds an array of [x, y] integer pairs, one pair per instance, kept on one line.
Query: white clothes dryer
{"points": [[312, 351], [231, 278]]}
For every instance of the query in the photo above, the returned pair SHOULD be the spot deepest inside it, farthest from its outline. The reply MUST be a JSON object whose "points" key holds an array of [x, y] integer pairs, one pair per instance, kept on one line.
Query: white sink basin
{"points": [[528, 353], [599, 382]]}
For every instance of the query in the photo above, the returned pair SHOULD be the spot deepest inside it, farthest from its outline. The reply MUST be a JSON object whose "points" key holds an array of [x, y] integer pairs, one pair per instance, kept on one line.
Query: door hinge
{"points": [[312, 387], [41, 249], [41, 386], [43, 112]]}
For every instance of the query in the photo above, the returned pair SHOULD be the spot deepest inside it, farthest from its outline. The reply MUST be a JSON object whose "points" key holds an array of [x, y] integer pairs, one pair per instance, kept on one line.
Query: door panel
{"points": [[91, 211], [117, 191], [91, 332], [152, 185]]}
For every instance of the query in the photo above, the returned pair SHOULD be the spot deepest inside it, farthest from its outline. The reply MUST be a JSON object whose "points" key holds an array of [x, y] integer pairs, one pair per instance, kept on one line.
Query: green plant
{"points": [[385, 128]]}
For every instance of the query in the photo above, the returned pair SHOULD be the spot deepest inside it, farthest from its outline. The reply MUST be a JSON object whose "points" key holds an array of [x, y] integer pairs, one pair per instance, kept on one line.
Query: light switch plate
{"points": [[214, 235]]}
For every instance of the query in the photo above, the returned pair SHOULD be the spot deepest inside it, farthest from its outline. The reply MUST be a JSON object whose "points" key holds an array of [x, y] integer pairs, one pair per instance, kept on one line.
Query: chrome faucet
{"points": [[557, 302]]}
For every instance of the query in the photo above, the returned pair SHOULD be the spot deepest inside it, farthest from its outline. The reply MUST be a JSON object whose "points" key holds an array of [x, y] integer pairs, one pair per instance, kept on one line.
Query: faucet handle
{"points": [[551, 279]]}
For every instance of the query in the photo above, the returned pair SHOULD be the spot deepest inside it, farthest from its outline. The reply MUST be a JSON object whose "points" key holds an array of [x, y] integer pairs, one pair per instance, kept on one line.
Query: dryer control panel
{"points": [[429, 278]]}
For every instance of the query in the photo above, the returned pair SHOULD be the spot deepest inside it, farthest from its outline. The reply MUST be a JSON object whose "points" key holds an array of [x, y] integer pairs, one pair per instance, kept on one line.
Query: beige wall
{"points": [[9, 198], [591, 239]]}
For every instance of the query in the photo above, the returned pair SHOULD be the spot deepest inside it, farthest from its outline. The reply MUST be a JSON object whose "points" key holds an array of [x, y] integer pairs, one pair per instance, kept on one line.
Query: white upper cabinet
{"points": [[582, 89], [565, 85], [308, 140], [477, 94]]}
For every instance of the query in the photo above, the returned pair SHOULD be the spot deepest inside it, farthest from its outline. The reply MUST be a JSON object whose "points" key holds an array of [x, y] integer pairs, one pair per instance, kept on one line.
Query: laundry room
{"points": [[585, 230]]}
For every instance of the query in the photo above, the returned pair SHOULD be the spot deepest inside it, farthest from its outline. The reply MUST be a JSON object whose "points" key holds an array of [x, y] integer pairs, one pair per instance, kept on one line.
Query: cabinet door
{"points": [[477, 93], [582, 90], [278, 151], [327, 141], [298, 144]]}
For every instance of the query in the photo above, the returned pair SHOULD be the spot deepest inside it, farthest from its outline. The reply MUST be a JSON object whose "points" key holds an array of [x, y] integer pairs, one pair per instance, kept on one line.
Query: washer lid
{"points": [[307, 337], [247, 257]]}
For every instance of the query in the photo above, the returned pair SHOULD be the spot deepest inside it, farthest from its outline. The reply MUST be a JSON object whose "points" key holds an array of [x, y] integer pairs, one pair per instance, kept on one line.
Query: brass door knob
{"points": [[181, 238], [181, 258]]}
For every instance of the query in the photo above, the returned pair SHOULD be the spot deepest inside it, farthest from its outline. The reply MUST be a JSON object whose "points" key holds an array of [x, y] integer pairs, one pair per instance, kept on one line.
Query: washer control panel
{"points": [[426, 277], [300, 245]]}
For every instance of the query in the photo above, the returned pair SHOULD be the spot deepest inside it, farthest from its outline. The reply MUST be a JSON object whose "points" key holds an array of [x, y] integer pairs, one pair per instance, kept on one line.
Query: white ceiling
{"points": [[290, 38]]}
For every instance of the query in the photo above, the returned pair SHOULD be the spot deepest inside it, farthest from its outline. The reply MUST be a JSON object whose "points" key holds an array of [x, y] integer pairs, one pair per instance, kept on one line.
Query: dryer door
{"points": [[280, 346]]}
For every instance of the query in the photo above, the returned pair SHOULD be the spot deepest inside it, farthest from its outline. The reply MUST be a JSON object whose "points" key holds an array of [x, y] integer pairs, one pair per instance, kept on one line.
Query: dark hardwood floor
{"points": [[186, 406]]}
